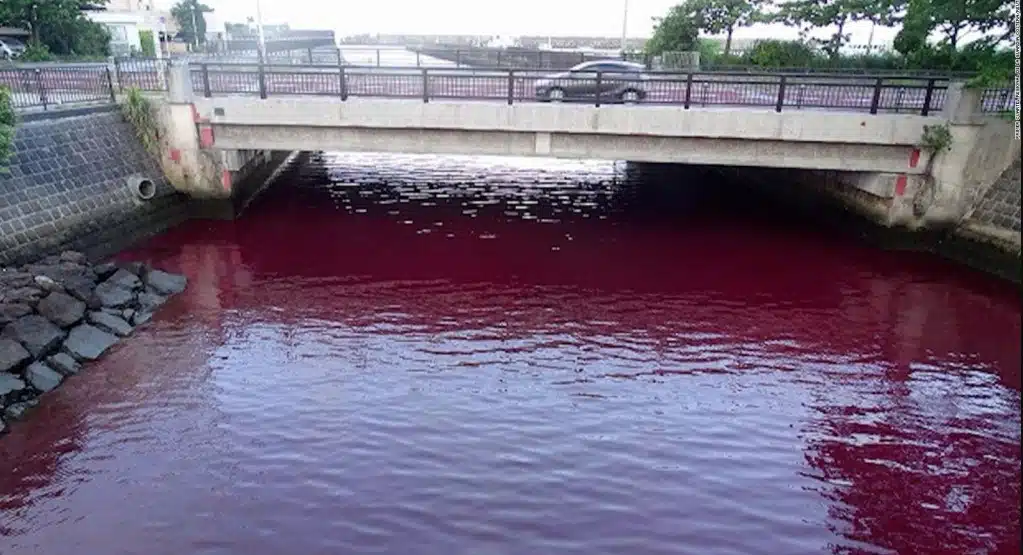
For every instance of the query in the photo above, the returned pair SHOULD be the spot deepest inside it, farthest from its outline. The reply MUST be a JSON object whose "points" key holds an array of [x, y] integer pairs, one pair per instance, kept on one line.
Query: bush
{"points": [[146, 38], [781, 53], [36, 52], [8, 121]]}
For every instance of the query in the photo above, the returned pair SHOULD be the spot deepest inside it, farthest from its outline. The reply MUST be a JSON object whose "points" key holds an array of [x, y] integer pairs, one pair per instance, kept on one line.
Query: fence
{"points": [[48, 87], [780, 92]]}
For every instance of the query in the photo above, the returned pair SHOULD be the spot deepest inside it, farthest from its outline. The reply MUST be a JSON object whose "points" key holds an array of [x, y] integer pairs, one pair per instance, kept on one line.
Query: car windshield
{"points": [[12, 43], [622, 67]]}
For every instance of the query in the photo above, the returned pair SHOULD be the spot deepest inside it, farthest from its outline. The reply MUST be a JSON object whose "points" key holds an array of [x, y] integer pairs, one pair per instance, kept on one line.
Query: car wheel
{"points": [[631, 97], [556, 95]]}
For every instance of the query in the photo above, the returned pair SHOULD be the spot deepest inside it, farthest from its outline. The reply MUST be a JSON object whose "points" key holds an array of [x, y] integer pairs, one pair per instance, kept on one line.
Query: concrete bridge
{"points": [[872, 153]]}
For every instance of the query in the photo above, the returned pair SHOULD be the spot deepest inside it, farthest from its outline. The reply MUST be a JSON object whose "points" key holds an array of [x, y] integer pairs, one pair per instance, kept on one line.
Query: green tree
{"points": [[8, 122], [725, 16], [917, 25], [818, 14], [57, 25], [955, 19], [190, 19], [677, 31]]}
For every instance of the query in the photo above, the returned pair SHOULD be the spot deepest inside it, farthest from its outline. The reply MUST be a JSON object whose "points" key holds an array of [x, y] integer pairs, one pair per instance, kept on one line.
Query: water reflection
{"points": [[450, 355]]}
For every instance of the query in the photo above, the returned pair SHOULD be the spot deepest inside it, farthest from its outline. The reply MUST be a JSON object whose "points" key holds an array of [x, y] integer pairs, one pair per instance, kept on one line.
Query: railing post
{"points": [[498, 58], [117, 73], [600, 85], [206, 90], [781, 94], [875, 101], [418, 61], [378, 57], [309, 51], [343, 82], [689, 90], [458, 57], [110, 84], [39, 85], [262, 80], [927, 98], [426, 87], [511, 86]]}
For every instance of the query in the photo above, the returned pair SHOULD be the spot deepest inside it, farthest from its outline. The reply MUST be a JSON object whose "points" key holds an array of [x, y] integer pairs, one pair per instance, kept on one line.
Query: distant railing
{"points": [[870, 94], [997, 100], [55, 86]]}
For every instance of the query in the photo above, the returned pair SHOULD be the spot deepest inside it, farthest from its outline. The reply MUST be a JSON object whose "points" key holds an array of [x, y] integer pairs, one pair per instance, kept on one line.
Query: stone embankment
{"points": [[62, 312]]}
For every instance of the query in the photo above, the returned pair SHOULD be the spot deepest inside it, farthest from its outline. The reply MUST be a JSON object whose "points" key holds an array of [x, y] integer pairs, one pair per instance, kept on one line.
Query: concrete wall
{"points": [[809, 140], [996, 217], [67, 188]]}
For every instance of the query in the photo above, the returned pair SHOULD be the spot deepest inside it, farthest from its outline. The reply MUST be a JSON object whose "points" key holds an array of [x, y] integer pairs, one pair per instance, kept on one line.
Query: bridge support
{"points": [[192, 163]]}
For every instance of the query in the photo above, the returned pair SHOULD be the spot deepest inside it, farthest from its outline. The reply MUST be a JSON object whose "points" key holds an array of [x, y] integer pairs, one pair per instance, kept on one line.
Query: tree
{"points": [[725, 16], [954, 19], [816, 14], [58, 25], [917, 24], [676, 31], [190, 19]]}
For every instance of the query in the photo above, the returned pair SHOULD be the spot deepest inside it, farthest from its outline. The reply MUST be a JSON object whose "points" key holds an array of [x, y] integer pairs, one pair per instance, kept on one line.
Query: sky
{"points": [[484, 17]]}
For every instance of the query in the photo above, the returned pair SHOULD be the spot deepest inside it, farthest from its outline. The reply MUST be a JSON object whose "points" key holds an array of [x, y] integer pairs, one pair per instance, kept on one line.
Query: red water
{"points": [[468, 356]]}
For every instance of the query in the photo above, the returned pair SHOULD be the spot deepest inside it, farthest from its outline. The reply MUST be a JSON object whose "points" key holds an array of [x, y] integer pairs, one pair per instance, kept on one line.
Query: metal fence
{"points": [[996, 100], [50, 87], [773, 91]]}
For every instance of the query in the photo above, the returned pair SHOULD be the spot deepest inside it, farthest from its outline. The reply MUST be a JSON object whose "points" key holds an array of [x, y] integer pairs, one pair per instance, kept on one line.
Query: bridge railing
{"points": [[859, 93], [49, 87]]}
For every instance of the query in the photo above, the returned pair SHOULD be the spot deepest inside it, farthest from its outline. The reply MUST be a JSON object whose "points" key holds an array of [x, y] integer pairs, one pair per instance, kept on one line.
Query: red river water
{"points": [[412, 355]]}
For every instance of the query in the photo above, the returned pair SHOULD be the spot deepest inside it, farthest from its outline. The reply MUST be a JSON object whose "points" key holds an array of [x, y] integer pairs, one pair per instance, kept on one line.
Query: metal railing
{"points": [[779, 92], [998, 100], [50, 87]]}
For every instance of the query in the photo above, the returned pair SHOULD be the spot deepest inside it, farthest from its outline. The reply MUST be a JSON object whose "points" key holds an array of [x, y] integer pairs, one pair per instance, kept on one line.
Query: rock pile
{"points": [[62, 311]]}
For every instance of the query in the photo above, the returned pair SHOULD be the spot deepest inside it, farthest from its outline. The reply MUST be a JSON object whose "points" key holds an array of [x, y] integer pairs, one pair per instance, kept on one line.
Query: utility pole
{"points": [[195, 28], [625, 26], [259, 29]]}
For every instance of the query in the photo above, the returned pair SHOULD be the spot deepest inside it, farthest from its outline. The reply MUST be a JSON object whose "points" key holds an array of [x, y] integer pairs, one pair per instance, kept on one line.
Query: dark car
{"points": [[619, 82]]}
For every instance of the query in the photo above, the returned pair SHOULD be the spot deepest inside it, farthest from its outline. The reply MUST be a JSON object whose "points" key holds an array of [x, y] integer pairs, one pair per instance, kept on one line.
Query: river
{"points": [[452, 355]]}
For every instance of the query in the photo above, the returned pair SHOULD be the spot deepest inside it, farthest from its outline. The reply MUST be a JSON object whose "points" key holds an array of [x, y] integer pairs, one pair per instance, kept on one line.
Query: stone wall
{"points": [[67, 188], [1000, 206]]}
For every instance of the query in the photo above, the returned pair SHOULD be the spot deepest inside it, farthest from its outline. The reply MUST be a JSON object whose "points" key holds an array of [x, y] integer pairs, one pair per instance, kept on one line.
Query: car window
{"points": [[616, 68]]}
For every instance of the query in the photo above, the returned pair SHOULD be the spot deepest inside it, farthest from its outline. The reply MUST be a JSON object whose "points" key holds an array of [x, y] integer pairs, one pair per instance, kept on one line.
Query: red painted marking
{"points": [[225, 179], [175, 154], [900, 186], [914, 157], [205, 136]]}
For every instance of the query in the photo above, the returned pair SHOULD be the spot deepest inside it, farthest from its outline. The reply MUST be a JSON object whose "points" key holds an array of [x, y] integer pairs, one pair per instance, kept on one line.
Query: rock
{"points": [[25, 295], [74, 257], [149, 302], [47, 284], [64, 363], [80, 287], [14, 279], [13, 311], [141, 318], [110, 323], [87, 342], [9, 383], [17, 410], [42, 377], [124, 279], [12, 355], [127, 314], [140, 269], [166, 284], [103, 271], [110, 294], [37, 334], [62, 309]]}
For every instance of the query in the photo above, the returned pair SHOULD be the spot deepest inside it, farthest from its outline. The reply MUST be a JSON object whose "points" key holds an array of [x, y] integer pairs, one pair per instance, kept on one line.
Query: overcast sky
{"points": [[485, 17]]}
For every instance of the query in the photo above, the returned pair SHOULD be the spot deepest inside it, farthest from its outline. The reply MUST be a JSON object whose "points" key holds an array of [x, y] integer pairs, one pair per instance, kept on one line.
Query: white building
{"points": [[125, 18]]}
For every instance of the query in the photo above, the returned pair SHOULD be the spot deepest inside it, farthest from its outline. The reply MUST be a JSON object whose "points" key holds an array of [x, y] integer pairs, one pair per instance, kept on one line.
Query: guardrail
{"points": [[779, 92]]}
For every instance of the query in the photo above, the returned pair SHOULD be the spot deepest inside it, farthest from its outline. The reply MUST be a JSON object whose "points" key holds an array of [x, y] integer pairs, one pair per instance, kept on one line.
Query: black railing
{"points": [[147, 74], [51, 87], [871, 94], [997, 100]]}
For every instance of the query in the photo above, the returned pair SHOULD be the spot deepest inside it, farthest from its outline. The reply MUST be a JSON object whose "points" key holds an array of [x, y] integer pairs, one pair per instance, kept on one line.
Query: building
{"points": [[124, 19]]}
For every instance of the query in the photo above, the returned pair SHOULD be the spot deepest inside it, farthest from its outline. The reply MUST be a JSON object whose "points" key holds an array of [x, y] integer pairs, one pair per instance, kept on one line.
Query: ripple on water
{"points": [[563, 365]]}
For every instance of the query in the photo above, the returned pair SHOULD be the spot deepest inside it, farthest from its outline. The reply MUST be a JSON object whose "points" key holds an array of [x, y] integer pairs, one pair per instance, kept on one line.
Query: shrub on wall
{"points": [[8, 121], [139, 112]]}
